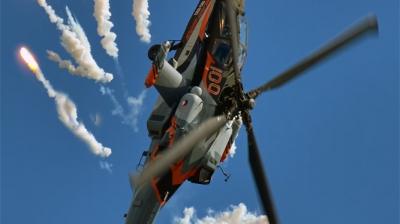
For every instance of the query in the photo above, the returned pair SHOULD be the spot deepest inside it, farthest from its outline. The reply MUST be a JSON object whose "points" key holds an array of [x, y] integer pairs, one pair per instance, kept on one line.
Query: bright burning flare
{"points": [[28, 58]]}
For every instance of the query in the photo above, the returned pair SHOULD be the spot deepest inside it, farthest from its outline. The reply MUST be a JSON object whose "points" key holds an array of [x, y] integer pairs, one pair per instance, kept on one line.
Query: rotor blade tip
{"points": [[372, 20], [373, 23]]}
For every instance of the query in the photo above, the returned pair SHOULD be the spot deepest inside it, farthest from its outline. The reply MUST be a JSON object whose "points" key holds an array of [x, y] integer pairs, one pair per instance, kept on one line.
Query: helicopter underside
{"points": [[199, 62]]}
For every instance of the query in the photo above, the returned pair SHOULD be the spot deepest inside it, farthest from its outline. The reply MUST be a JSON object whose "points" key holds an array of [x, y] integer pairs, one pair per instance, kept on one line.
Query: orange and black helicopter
{"points": [[202, 105]]}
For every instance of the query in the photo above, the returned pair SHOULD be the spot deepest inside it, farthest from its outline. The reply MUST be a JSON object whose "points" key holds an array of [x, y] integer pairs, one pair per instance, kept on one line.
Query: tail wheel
{"points": [[153, 52]]}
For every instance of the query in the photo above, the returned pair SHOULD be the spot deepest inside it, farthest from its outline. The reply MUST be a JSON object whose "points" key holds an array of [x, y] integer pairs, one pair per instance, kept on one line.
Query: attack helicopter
{"points": [[202, 105]]}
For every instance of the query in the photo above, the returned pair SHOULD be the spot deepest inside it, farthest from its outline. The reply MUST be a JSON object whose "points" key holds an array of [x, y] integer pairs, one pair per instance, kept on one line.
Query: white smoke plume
{"points": [[141, 15], [75, 42], [78, 31], [66, 64], [134, 105], [234, 215], [118, 108], [52, 14], [102, 15], [67, 113], [121, 76], [233, 150], [106, 166]]}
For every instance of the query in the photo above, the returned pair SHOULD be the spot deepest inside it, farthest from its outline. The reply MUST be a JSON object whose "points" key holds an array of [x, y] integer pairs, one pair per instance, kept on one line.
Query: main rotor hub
{"points": [[249, 104]]}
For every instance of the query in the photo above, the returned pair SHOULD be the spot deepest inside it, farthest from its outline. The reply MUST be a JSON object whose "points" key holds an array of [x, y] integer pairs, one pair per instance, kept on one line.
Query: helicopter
{"points": [[202, 105]]}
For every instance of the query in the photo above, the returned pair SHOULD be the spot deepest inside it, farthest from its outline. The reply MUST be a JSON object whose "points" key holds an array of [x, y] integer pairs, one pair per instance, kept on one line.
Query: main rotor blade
{"points": [[355, 30], [178, 150], [233, 23], [260, 178]]}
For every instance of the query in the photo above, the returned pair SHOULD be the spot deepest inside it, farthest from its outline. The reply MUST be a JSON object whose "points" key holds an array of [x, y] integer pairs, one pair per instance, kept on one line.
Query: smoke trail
{"points": [[75, 42], [141, 15], [235, 215], [102, 15], [118, 108], [120, 74], [134, 105], [78, 30], [67, 113], [67, 64], [66, 108], [52, 14]]}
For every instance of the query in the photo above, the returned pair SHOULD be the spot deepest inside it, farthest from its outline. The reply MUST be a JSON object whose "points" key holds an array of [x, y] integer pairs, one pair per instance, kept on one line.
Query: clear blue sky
{"points": [[329, 139]]}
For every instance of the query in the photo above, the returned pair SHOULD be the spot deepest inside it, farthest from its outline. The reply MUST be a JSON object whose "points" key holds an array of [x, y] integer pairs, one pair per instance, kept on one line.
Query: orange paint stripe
{"points": [[204, 23], [155, 181], [209, 61], [177, 176], [153, 184], [226, 152], [154, 157], [151, 76]]}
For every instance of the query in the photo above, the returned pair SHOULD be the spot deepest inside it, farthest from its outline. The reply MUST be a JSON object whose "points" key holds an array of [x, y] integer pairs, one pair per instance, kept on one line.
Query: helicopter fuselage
{"points": [[193, 86]]}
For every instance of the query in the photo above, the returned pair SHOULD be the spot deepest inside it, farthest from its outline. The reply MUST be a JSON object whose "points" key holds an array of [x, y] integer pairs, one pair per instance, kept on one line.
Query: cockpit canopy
{"points": [[243, 34], [222, 50]]}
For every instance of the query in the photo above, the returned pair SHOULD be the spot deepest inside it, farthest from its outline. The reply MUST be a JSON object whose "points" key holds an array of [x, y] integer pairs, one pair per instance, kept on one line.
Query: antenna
{"points": [[224, 173]]}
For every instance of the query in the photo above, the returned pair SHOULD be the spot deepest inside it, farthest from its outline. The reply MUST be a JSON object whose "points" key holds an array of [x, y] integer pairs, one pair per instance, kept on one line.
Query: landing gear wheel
{"points": [[153, 52]]}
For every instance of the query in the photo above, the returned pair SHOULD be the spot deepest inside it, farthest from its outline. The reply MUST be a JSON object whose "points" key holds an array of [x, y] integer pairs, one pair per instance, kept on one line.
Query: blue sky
{"points": [[329, 139]]}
